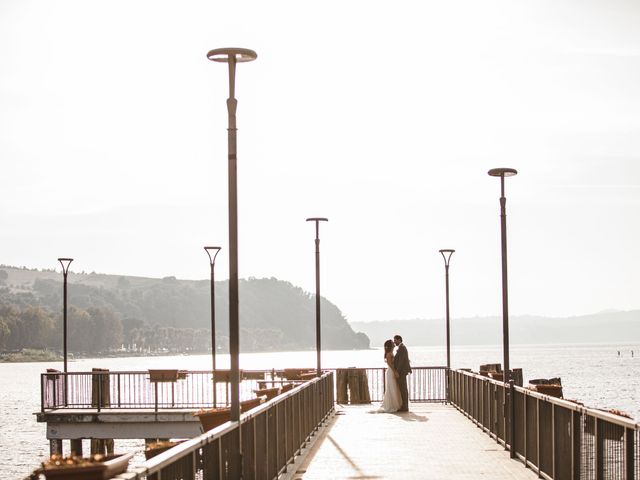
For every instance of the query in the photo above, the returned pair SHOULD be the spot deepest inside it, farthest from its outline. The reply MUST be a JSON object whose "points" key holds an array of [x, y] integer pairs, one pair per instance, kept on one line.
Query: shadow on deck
{"points": [[432, 441]]}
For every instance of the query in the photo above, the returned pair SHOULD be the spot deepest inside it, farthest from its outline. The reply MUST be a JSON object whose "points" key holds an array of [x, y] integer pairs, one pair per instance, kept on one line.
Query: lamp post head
{"points": [[502, 172], [65, 262], [214, 251], [225, 55], [446, 254], [317, 220]]}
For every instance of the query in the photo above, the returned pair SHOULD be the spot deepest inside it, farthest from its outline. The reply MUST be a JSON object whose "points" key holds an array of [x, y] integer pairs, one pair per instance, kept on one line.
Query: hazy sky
{"points": [[382, 116]]}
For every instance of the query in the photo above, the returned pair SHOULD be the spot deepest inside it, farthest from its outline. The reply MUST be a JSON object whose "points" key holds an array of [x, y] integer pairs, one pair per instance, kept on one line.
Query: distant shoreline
{"points": [[33, 355]]}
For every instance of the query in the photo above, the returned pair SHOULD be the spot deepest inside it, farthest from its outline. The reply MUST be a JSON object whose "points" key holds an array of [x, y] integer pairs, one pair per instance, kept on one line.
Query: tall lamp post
{"points": [[446, 254], [509, 411], [502, 173], [232, 56], [317, 221], [65, 262], [212, 252]]}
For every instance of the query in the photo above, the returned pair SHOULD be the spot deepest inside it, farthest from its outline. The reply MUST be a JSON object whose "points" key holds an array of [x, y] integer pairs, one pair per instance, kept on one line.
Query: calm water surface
{"points": [[593, 374]]}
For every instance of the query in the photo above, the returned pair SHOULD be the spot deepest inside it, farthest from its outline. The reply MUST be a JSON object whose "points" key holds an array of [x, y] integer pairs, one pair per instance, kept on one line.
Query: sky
{"points": [[382, 116]]}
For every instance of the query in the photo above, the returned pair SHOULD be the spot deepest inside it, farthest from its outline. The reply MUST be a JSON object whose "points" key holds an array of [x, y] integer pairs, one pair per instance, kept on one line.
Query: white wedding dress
{"points": [[392, 400]]}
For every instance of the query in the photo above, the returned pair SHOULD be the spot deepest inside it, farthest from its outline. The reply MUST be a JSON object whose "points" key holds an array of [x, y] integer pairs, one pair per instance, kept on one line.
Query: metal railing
{"points": [[194, 389], [559, 439], [137, 390], [271, 436], [425, 384]]}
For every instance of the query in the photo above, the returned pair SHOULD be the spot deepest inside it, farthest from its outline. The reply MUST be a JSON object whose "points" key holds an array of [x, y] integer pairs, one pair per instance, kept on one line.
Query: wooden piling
{"points": [[76, 447], [342, 376], [352, 386], [100, 398]]}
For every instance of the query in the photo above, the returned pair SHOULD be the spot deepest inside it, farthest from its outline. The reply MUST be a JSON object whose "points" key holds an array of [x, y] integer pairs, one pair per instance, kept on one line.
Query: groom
{"points": [[403, 368]]}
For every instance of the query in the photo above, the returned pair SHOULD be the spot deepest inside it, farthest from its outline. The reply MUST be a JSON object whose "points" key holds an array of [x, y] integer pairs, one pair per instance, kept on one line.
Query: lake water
{"points": [[593, 374]]}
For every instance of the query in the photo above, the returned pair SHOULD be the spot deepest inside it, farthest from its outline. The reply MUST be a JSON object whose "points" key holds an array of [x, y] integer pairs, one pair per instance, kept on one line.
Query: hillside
{"points": [[107, 311], [611, 326]]}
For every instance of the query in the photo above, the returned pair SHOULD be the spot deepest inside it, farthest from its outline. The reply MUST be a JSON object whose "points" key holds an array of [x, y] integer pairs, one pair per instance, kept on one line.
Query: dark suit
{"points": [[402, 366]]}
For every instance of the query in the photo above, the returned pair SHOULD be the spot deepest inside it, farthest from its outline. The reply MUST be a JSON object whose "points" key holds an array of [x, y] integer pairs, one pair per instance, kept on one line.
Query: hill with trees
{"points": [[110, 312]]}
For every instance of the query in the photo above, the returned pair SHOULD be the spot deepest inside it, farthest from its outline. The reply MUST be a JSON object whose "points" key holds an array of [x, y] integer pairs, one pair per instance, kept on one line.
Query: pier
{"points": [[461, 425], [432, 441]]}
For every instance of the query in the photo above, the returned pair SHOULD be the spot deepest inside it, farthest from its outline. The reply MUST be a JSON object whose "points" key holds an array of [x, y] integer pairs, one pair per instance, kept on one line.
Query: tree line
{"points": [[162, 315]]}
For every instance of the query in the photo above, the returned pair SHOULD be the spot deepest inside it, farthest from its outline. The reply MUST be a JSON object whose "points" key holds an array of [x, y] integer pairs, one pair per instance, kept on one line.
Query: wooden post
{"points": [[55, 447], [341, 382], [358, 386], [76, 447], [100, 398]]}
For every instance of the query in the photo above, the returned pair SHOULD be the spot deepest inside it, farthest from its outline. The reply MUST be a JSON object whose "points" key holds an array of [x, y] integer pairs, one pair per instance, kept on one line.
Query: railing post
{"points": [[512, 419], [599, 446], [576, 431], [525, 425], [553, 440], [43, 383], [629, 450], [538, 436], [99, 391]]}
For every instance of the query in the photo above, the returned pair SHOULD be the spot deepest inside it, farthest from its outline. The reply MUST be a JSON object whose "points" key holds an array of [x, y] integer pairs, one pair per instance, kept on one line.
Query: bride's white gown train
{"points": [[392, 400]]}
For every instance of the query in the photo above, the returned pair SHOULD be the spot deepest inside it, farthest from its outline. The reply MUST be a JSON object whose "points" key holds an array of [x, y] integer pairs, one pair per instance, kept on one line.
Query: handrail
{"points": [[568, 404], [284, 424], [556, 437], [192, 389]]}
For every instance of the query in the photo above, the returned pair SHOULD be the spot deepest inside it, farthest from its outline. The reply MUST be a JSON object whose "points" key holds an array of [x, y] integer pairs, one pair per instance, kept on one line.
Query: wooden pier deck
{"points": [[432, 441]]}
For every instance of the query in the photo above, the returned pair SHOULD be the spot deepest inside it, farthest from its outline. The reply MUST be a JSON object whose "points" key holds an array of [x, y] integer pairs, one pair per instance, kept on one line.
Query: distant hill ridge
{"points": [[165, 313], [606, 326]]}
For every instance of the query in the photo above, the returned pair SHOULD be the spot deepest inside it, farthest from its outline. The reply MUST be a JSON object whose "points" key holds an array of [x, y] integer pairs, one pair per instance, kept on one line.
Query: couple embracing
{"points": [[396, 394]]}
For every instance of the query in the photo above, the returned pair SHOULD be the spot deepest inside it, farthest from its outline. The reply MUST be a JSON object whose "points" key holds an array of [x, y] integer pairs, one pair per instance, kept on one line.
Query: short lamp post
{"points": [[317, 221], [212, 253], [509, 410], [233, 56], [65, 262]]}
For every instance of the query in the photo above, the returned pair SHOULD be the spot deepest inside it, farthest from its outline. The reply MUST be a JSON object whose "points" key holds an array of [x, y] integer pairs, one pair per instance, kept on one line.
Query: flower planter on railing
{"points": [[268, 392], [94, 468], [214, 417]]}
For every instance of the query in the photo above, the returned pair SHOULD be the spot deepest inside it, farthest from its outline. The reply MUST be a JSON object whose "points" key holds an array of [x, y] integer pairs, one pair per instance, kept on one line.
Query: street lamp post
{"points": [[212, 252], [502, 173], [317, 221], [446, 254], [508, 382], [65, 262], [232, 56]]}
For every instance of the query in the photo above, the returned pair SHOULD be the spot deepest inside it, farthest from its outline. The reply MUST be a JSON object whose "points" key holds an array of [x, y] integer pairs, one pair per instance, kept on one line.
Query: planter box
{"points": [[268, 392], [551, 390], [157, 448], [163, 375], [296, 373], [111, 466], [214, 417], [286, 387]]}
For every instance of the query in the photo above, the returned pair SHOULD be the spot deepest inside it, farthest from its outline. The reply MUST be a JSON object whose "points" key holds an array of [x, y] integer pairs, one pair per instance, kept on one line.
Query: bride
{"points": [[392, 399]]}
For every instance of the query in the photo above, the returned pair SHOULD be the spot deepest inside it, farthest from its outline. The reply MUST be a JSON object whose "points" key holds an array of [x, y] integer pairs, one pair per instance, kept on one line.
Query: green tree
{"points": [[106, 326], [4, 333]]}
